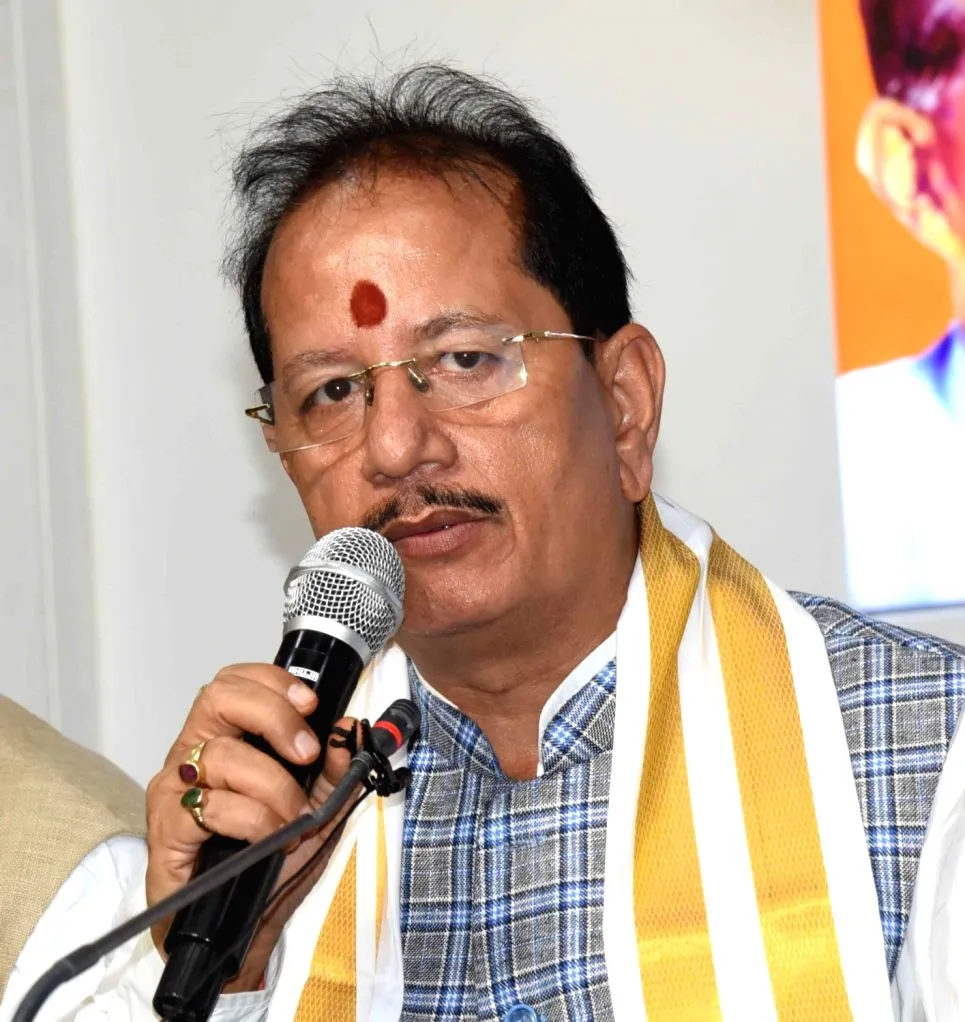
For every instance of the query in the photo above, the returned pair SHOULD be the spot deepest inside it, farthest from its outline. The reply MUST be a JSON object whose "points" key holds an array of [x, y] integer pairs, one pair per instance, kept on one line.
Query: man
{"points": [[906, 548], [439, 311]]}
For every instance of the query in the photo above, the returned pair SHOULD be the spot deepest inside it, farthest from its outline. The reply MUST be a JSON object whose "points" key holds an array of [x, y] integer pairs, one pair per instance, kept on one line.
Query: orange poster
{"points": [[894, 102]]}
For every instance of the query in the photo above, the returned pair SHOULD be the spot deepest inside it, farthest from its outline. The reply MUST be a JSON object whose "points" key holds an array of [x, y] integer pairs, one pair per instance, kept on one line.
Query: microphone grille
{"points": [[353, 577]]}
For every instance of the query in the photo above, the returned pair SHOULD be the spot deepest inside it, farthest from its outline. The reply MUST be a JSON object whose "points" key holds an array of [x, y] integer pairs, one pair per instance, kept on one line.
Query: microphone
{"points": [[343, 602], [395, 727]]}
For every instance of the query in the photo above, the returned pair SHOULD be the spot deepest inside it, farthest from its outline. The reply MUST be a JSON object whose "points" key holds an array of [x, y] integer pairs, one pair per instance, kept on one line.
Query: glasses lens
{"points": [[469, 367], [315, 409], [462, 368]]}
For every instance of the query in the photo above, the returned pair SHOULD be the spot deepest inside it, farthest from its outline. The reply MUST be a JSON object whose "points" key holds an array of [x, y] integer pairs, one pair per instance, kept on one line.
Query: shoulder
{"points": [[902, 696], [863, 649], [61, 801]]}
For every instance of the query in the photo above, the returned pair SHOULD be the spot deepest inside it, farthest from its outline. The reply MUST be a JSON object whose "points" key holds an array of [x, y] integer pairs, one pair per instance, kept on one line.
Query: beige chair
{"points": [[57, 800]]}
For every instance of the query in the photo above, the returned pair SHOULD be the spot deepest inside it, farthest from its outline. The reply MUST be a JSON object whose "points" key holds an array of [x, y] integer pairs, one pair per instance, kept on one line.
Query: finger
{"points": [[233, 764], [238, 816], [234, 704], [272, 677], [224, 812]]}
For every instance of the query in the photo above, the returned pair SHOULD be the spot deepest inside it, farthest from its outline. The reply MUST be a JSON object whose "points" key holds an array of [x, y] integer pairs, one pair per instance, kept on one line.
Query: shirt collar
{"points": [[452, 735]]}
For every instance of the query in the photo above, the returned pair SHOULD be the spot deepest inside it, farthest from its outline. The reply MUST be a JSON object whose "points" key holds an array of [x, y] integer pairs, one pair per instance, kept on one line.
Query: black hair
{"points": [[915, 47], [435, 119]]}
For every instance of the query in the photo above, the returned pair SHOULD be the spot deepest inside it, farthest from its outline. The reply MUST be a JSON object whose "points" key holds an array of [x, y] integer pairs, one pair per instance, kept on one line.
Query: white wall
{"points": [[47, 632], [699, 127]]}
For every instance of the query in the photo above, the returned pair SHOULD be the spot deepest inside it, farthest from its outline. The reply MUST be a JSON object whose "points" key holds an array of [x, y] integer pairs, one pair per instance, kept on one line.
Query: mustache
{"points": [[420, 497]]}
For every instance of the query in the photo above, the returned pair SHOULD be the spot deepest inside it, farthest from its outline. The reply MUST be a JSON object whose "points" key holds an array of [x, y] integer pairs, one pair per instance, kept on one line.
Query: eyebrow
{"points": [[430, 330], [453, 319], [316, 358]]}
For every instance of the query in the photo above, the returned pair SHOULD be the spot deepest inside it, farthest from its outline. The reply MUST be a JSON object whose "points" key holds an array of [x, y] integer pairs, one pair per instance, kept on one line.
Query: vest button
{"points": [[521, 1013]]}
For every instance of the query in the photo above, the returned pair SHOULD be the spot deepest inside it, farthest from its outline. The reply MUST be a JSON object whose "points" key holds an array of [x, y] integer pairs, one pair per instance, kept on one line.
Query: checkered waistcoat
{"points": [[502, 893], [901, 695]]}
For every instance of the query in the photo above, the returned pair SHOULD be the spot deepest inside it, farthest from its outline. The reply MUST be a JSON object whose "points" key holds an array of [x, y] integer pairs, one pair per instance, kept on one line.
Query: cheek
{"points": [[331, 498], [556, 461], [570, 437], [566, 472]]}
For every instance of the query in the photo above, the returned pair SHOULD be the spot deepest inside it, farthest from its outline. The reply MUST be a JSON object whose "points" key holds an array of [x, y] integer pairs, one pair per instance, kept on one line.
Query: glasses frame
{"points": [[263, 412]]}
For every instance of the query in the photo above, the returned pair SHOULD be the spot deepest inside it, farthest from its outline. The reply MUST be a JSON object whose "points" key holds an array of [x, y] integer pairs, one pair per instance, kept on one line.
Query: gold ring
{"points": [[193, 801], [191, 771]]}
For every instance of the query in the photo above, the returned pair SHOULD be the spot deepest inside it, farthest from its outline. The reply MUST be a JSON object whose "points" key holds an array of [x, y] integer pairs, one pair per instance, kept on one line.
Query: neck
{"points": [[501, 674]]}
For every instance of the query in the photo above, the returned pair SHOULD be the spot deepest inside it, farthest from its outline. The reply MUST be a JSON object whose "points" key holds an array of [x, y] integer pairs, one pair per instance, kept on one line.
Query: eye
{"points": [[464, 360], [338, 389], [332, 392]]}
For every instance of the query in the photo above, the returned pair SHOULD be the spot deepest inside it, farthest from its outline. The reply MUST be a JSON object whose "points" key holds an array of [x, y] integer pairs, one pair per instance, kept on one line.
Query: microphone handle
{"points": [[202, 934]]}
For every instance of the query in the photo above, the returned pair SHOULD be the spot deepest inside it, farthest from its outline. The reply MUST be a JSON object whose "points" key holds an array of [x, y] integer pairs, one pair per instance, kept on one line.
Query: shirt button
{"points": [[521, 1013]]}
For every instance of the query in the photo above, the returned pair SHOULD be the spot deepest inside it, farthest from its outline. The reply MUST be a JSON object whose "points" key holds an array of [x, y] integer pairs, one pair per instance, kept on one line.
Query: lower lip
{"points": [[439, 541]]}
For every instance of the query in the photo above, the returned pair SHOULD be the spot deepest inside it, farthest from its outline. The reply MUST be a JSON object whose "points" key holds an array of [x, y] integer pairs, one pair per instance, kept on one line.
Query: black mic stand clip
{"points": [[381, 777]]}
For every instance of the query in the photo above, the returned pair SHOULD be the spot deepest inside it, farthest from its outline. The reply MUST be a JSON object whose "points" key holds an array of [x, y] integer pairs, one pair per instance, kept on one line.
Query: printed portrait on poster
{"points": [[894, 97]]}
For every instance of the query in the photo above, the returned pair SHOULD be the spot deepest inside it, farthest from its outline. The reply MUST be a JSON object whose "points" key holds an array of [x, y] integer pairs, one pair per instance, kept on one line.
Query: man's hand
{"points": [[250, 795]]}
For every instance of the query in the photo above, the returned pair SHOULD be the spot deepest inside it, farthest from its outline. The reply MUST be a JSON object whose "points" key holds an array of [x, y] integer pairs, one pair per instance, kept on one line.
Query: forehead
{"points": [[425, 242]]}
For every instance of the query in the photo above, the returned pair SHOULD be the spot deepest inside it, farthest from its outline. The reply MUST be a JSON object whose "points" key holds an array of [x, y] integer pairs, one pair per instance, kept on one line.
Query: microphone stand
{"points": [[368, 767]]}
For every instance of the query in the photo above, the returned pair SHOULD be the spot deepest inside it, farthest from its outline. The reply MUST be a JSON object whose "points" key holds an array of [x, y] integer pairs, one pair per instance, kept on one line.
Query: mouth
{"points": [[435, 521], [439, 532]]}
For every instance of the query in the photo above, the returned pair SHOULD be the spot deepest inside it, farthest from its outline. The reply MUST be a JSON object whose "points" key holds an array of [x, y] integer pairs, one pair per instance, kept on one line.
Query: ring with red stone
{"points": [[191, 771]]}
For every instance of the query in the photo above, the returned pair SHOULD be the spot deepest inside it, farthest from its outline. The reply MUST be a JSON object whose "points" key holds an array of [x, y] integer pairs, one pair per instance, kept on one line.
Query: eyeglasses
{"points": [[318, 405]]}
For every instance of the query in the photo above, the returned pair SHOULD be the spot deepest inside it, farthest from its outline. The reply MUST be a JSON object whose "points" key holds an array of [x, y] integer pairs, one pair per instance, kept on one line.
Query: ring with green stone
{"points": [[193, 801]]}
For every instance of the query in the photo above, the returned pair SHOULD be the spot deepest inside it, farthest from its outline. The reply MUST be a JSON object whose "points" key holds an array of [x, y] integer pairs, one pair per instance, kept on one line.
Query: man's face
{"points": [[536, 468]]}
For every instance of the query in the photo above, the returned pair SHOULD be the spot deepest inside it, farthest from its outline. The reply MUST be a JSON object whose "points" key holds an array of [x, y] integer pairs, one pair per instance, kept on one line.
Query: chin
{"points": [[446, 610], [441, 621]]}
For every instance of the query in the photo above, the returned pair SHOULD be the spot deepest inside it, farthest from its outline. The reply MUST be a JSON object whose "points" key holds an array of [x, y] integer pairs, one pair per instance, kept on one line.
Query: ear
{"points": [[899, 155], [631, 368]]}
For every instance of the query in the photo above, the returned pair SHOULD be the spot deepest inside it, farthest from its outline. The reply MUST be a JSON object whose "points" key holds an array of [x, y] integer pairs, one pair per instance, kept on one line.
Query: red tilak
{"points": [[368, 304]]}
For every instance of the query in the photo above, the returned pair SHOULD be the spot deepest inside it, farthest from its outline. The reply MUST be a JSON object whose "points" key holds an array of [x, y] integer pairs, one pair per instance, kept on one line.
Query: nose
{"points": [[402, 436]]}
